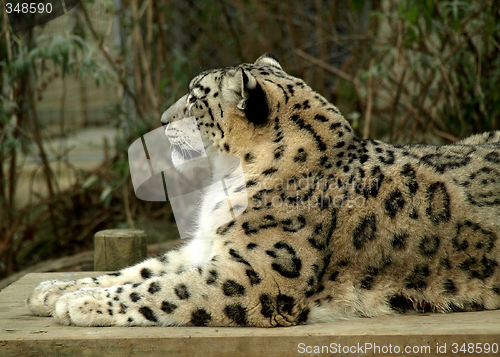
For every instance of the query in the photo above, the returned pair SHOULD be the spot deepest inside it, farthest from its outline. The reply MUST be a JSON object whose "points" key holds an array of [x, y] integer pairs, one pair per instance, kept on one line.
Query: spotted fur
{"points": [[326, 226]]}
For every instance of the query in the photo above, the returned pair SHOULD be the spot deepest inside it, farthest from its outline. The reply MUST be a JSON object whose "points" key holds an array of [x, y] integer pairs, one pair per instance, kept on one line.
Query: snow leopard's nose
{"points": [[164, 117], [175, 112]]}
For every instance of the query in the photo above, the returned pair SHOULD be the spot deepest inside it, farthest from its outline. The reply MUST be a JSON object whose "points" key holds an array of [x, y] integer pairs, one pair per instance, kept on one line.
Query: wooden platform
{"points": [[22, 334]]}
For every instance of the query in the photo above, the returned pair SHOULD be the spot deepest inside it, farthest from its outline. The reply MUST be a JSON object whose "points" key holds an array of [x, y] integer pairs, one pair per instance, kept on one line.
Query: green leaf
{"points": [[105, 193], [89, 181], [412, 14], [162, 85], [401, 9], [456, 24], [96, 78], [19, 65], [359, 5]]}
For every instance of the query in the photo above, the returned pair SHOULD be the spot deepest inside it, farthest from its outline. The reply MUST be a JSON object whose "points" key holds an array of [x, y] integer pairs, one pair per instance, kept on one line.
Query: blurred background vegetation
{"points": [[422, 71]]}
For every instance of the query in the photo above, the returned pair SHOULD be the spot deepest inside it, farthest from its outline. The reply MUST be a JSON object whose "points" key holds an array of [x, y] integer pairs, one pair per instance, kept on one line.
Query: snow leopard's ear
{"points": [[241, 86], [268, 59]]}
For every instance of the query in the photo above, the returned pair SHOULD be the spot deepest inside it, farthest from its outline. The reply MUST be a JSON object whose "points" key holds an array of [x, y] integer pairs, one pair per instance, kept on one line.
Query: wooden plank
{"points": [[22, 334]]}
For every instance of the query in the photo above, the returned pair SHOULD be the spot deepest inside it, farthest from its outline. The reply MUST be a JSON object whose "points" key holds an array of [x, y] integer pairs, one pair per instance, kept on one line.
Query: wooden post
{"points": [[116, 249]]}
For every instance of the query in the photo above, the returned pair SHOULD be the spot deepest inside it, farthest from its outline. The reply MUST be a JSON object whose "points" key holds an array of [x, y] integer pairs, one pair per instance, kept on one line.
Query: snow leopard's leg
{"points": [[42, 299], [226, 291]]}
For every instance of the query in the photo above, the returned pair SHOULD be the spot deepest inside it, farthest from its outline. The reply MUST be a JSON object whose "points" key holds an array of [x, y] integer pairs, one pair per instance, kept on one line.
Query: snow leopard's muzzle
{"points": [[182, 132]]}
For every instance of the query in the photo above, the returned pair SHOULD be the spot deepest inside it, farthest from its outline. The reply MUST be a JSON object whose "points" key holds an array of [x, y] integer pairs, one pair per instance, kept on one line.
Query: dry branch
{"points": [[325, 66]]}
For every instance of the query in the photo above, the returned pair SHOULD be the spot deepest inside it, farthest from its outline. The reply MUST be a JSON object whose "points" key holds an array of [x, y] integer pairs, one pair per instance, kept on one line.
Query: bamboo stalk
{"points": [[396, 103], [369, 102], [128, 214], [235, 36], [110, 61], [136, 38], [45, 162]]}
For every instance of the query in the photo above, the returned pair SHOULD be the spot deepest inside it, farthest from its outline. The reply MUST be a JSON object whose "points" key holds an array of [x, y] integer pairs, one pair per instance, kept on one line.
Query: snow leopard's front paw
{"points": [[84, 307], [43, 298]]}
